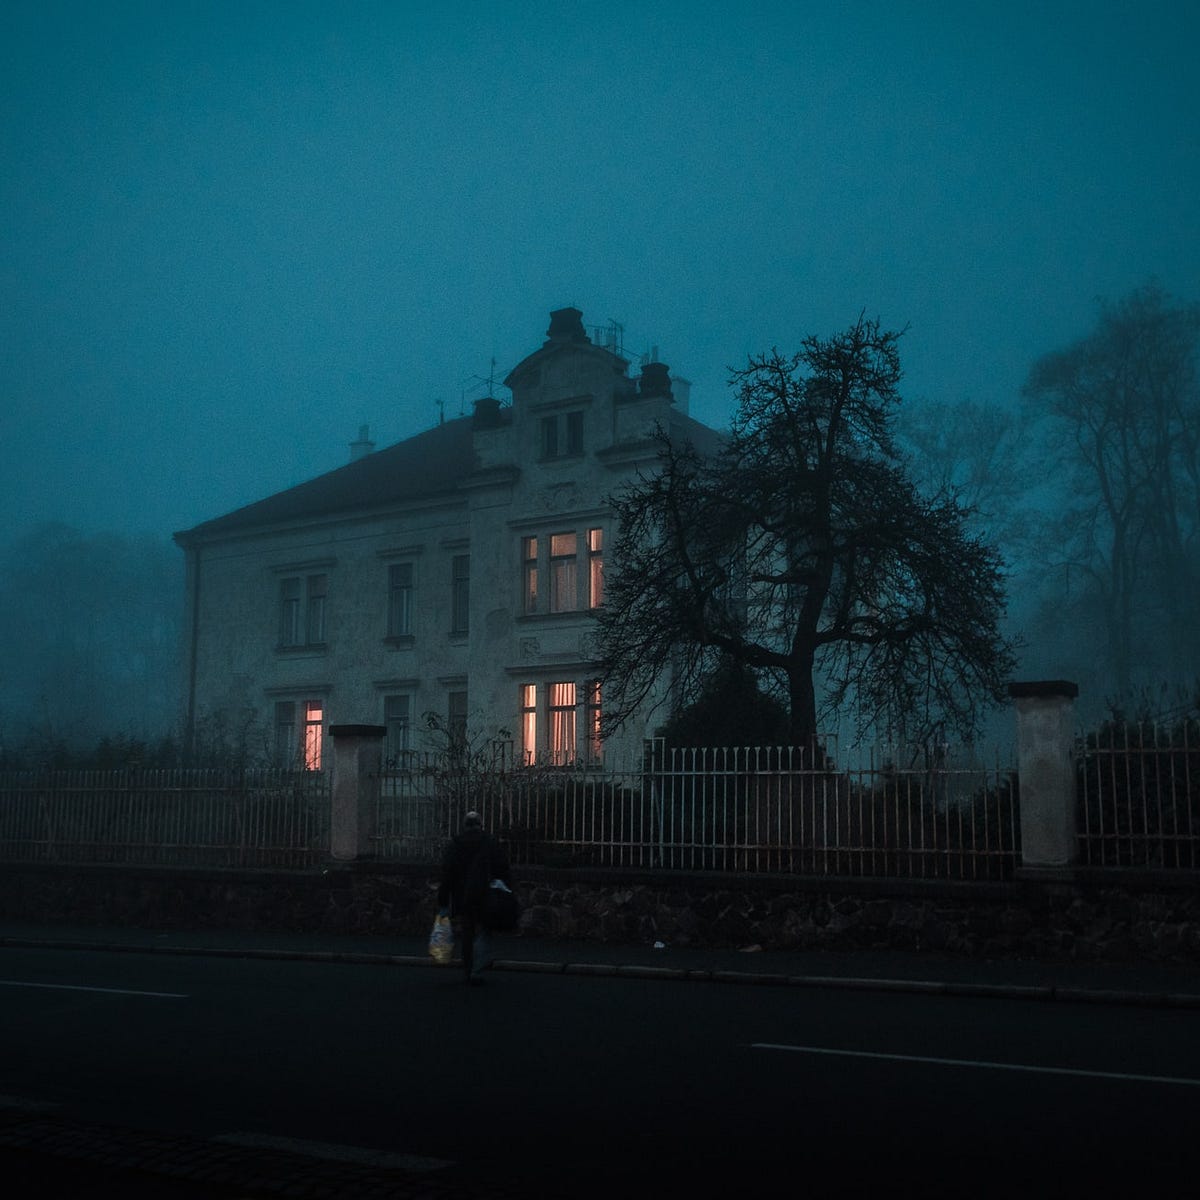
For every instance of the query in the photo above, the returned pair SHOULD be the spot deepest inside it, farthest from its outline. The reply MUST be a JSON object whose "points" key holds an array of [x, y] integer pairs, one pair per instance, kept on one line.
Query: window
{"points": [[595, 542], [460, 593], [456, 718], [565, 741], [299, 741], [563, 587], [302, 611], [397, 719], [529, 722], [561, 704], [316, 610], [574, 433], [549, 437], [314, 717], [400, 600], [529, 572], [285, 733], [594, 745], [561, 435]]}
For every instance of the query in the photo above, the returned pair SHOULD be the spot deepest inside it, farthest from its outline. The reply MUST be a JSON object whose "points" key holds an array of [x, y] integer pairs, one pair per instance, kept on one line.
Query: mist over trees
{"points": [[804, 551], [89, 640], [1118, 420]]}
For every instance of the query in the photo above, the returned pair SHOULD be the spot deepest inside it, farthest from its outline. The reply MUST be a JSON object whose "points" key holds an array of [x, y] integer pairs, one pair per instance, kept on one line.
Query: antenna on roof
{"points": [[441, 410]]}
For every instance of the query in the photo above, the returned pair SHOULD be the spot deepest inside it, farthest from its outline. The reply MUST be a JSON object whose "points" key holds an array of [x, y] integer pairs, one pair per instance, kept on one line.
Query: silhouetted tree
{"points": [[803, 549]]}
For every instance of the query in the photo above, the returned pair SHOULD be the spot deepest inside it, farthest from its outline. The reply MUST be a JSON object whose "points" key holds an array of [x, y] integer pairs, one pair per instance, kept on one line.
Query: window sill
{"points": [[575, 613], [458, 637], [312, 649], [400, 641]]}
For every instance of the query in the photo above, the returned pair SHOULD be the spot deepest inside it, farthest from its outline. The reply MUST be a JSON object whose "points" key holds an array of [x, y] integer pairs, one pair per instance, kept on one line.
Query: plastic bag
{"points": [[441, 941], [500, 909]]}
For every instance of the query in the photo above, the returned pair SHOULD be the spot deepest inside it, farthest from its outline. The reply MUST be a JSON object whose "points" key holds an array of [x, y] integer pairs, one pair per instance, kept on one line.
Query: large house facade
{"points": [[456, 573]]}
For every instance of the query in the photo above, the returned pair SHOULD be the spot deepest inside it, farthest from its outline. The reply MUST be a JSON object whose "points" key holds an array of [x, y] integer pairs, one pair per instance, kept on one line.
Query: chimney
{"points": [[364, 445], [566, 325], [681, 389], [655, 380], [486, 414]]}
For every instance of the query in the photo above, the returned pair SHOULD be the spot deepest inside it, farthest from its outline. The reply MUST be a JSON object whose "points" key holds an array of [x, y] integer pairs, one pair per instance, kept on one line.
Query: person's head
{"points": [[472, 820]]}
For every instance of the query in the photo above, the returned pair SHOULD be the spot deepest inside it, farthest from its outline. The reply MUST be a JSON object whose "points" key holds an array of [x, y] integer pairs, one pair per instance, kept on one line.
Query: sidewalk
{"points": [[1140, 984]]}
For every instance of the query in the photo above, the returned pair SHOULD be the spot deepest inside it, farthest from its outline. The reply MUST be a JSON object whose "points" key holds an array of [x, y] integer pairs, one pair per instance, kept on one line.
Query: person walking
{"points": [[473, 858]]}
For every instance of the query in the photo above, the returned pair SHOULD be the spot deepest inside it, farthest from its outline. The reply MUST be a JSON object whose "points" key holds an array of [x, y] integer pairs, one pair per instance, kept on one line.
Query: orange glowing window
{"points": [[314, 718]]}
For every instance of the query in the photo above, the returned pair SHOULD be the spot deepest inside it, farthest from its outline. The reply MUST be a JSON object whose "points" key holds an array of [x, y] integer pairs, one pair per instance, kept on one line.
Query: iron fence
{"points": [[1138, 788], [925, 815], [165, 817]]}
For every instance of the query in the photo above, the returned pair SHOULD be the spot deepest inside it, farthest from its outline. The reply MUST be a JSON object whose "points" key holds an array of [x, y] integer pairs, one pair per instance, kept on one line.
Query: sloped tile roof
{"points": [[429, 464]]}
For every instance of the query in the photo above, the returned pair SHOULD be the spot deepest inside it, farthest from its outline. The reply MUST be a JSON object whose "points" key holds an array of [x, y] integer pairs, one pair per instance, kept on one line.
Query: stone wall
{"points": [[1093, 917]]}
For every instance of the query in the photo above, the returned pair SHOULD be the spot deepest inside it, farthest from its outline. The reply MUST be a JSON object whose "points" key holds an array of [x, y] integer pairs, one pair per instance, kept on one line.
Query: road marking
{"points": [[77, 987], [991, 1066], [330, 1151]]}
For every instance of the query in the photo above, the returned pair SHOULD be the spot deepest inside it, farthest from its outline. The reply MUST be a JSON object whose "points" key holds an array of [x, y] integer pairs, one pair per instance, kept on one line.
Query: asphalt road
{"points": [[578, 1086]]}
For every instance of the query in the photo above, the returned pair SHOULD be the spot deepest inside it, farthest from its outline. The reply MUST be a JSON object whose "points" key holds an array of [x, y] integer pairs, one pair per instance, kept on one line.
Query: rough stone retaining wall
{"points": [[1096, 917]]}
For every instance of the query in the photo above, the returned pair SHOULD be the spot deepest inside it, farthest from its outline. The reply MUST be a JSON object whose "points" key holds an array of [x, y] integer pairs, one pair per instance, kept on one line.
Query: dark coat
{"points": [[462, 888]]}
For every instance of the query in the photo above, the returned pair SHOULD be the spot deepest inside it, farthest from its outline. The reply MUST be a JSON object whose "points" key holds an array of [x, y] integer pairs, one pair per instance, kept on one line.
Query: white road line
{"points": [[332, 1152], [76, 987], [990, 1066]]}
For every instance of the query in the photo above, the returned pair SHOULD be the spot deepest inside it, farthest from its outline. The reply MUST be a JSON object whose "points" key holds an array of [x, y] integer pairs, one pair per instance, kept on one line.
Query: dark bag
{"points": [[500, 909]]}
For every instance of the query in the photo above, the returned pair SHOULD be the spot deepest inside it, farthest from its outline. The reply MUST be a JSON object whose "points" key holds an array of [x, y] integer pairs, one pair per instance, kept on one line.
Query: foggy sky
{"points": [[234, 233]]}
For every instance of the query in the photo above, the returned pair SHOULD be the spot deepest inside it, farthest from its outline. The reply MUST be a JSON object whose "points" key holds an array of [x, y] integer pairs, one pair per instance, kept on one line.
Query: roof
{"points": [[429, 464]]}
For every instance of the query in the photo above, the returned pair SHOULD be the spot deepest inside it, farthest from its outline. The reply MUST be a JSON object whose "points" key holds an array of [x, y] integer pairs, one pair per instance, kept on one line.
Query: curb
{"points": [[988, 991]]}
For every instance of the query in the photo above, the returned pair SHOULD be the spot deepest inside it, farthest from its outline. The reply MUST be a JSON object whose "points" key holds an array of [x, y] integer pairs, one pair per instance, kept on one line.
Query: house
{"points": [[455, 573]]}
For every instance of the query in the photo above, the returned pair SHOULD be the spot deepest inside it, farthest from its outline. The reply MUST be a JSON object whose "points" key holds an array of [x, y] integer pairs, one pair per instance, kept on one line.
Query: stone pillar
{"points": [[357, 758], [1046, 769]]}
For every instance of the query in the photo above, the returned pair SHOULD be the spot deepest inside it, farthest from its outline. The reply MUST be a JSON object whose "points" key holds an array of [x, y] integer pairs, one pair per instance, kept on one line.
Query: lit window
{"points": [[314, 716], [400, 599], [529, 560], [397, 717], [562, 723], [563, 587], [529, 721], [460, 593], [593, 721], [595, 567]]}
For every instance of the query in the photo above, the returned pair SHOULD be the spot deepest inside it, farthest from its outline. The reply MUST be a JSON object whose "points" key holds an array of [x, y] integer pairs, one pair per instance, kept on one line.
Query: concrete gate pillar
{"points": [[1046, 770], [357, 759]]}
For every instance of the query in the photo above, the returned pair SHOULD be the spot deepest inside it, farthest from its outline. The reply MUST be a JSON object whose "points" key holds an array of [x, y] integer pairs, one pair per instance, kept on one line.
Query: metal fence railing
{"points": [[929, 815], [167, 817], [1138, 788]]}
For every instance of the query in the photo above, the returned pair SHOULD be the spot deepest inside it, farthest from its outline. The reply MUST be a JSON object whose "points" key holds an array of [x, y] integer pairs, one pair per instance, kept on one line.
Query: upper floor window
{"points": [[562, 435], [302, 611], [460, 593], [561, 568], [564, 588], [400, 600]]}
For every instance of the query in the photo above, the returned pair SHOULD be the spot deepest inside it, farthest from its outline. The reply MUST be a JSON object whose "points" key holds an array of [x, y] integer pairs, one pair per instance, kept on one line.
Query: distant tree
{"points": [[803, 550], [89, 635], [1123, 415]]}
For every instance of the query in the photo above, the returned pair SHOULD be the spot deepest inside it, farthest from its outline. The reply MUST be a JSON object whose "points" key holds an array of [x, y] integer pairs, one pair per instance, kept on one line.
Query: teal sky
{"points": [[234, 232]]}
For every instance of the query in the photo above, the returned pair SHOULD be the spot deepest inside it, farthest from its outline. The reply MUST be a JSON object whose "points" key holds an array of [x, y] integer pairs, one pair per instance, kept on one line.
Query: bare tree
{"points": [[804, 550], [1125, 397]]}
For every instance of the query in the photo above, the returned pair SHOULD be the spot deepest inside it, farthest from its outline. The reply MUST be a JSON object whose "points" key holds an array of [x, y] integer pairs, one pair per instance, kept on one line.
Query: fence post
{"points": [[1046, 773], [357, 758]]}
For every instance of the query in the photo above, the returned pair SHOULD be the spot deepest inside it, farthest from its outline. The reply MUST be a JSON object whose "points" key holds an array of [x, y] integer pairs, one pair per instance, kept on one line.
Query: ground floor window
{"points": [[560, 722], [397, 720], [300, 734]]}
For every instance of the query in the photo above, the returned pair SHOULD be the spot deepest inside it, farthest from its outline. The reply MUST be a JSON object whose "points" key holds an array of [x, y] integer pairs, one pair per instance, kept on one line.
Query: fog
{"points": [[236, 234]]}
